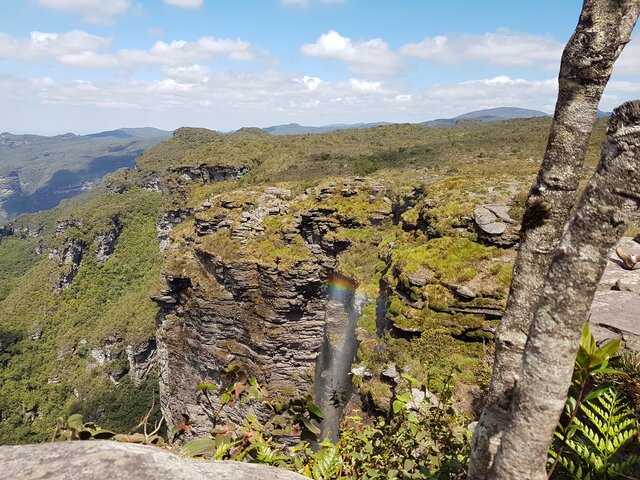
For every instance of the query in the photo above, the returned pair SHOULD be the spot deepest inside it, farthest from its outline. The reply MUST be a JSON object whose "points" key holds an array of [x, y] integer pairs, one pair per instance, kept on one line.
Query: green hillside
{"points": [[37, 172], [76, 281]]}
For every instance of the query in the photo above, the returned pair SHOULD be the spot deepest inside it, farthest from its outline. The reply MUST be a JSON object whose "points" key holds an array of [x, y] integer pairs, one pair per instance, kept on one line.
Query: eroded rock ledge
{"points": [[122, 461], [246, 284]]}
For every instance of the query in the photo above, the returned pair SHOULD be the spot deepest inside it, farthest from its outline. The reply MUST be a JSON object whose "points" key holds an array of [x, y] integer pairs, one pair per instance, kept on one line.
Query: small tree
{"points": [[603, 30]]}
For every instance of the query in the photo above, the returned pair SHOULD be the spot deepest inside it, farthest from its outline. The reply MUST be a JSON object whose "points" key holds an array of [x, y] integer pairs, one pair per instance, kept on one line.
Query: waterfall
{"points": [[333, 381]]}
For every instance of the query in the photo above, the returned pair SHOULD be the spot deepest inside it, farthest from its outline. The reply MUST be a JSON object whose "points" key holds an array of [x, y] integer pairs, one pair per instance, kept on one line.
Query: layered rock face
{"points": [[247, 285]]}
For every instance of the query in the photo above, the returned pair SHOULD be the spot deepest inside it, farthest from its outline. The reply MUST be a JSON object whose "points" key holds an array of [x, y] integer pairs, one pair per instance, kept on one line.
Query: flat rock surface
{"points": [[615, 311], [102, 459]]}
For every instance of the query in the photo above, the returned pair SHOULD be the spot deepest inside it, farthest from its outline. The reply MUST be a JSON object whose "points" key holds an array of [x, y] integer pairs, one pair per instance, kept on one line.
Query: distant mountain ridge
{"points": [[485, 115], [141, 132], [37, 172], [489, 115], [297, 129]]}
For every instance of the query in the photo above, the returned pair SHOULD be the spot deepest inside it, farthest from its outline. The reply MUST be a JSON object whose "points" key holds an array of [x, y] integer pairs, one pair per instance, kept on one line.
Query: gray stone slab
{"points": [[103, 459], [619, 310], [615, 311]]}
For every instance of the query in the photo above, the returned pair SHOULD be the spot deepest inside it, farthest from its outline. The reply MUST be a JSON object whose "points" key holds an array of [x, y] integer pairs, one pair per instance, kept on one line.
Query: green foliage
{"points": [[594, 437], [16, 257], [422, 438], [595, 441], [74, 428], [43, 370], [253, 439]]}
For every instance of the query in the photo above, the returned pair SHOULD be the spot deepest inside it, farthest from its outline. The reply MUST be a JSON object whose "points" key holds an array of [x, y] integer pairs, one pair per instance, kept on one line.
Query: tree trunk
{"points": [[603, 30], [610, 201]]}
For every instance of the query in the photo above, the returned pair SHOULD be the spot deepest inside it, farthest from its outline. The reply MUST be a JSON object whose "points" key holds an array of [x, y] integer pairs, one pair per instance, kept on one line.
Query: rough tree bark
{"points": [[603, 30], [610, 201]]}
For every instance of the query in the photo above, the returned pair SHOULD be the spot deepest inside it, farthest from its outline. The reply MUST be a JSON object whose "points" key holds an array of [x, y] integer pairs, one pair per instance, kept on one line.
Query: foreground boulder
{"points": [[122, 461]]}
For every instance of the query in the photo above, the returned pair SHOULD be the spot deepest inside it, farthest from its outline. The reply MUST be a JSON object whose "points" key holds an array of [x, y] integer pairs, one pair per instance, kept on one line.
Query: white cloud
{"points": [[185, 3], [81, 49], [501, 48], [363, 86], [181, 52], [92, 11], [194, 95], [312, 83], [56, 45], [370, 58], [191, 74], [629, 62]]}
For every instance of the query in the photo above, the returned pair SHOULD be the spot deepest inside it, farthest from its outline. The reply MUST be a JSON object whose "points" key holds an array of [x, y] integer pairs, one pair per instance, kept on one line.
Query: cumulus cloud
{"points": [[371, 58], [92, 11], [55, 45], [500, 48], [191, 74], [194, 95], [494, 92], [363, 86], [181, 52], [312, 83], [185, 3], [81, 49]]}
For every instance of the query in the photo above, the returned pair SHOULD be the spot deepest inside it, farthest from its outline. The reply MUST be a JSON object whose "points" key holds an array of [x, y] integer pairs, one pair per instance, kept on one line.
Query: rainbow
{"points": [[341, 284]]}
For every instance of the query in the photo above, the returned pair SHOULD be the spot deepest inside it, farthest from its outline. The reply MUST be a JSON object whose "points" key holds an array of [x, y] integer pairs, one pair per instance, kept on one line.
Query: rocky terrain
{"points": [[283, 256], [617, 301]]}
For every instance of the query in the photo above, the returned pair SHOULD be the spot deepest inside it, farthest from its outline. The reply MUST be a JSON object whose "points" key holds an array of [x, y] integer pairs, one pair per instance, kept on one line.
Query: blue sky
{"points": [[91, 65]]}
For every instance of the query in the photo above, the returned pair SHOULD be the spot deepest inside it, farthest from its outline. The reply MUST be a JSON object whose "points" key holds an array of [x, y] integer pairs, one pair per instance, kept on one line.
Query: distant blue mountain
{"points": [[297, 129], [488, 115], [143, 132], [37, 172]]}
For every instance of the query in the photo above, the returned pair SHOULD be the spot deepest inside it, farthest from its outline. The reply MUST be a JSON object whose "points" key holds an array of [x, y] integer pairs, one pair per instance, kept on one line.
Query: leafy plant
{"points": [[74, 428], [256, 440], [597, 443], [597, 423], [423, 438]]}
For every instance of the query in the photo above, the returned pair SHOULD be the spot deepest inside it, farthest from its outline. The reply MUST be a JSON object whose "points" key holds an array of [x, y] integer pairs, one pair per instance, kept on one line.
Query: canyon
{"points": [[325, 266]]}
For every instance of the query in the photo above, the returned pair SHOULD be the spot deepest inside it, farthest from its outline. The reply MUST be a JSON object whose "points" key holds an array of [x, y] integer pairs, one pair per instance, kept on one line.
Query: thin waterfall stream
{"points": [[333, 386]]}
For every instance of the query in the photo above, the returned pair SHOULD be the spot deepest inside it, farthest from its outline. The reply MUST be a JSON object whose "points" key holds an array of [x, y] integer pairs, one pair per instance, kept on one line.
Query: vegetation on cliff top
{"points": [[46, 339]]}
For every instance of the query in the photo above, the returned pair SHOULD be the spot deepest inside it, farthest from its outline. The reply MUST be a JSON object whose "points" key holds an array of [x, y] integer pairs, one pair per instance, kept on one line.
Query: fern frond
{"points": [[594, 438], [629, 462], [327, 464]]}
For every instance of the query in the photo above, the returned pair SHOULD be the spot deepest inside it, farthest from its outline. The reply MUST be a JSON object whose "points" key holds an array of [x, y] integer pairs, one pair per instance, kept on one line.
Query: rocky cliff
{"points": [[247, 284], [281, 255]]}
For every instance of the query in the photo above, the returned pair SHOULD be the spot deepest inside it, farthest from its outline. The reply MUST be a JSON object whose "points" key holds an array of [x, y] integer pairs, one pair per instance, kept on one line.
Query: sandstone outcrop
{"points": [[140, 358], [250, 289], [96, 460], [615, 307], [494, 225]]}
